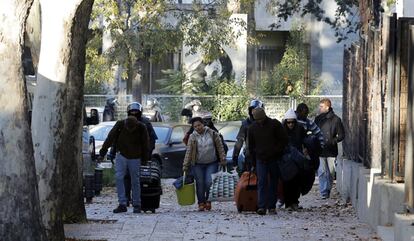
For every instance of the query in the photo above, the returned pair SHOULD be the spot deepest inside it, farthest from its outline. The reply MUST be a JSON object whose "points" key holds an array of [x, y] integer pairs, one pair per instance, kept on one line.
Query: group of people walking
{"points": [[265, 141]]}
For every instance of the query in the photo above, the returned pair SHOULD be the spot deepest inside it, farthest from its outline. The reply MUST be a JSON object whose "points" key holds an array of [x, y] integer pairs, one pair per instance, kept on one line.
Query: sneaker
{"points": [[261, 211], [208, 206], [272, 211], [280, 203], [137, 209], [120, 209], [201, 207], [325, 197]]}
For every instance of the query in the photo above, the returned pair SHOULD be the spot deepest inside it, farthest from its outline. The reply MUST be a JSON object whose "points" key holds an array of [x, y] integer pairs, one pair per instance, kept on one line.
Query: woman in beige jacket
{"points": [[204, 152]]}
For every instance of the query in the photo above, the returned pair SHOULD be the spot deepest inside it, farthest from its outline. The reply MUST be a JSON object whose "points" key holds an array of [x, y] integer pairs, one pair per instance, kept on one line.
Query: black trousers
{"points": [[291, 190]]}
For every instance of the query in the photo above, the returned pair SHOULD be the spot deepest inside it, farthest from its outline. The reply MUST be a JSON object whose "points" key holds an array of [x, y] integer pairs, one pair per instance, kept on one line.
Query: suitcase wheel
{"points": [[153, 210]]}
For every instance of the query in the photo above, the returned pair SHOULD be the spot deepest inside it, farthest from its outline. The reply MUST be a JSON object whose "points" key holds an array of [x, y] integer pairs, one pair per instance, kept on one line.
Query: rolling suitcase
{"points": [[245, 195], [150, 180]]}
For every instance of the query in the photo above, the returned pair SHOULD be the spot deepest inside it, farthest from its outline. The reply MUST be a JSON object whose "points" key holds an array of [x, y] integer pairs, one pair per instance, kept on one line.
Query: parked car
{"points": [[169, 148], [229, 130]]}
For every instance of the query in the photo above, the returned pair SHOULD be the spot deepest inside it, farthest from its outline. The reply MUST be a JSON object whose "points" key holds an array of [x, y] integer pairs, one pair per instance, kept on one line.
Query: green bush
{"points": [[229, 99]]}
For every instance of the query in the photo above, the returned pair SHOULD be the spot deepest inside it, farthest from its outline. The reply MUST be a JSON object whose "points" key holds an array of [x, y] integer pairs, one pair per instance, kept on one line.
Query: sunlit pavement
{"points": [[318, 220]]}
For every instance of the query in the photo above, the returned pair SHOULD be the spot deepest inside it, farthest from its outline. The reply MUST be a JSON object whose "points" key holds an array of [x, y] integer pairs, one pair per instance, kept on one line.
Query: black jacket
{"points": [[267, 140], [242, 138], [296, 136], [131, 137], [151, 133], [333, 132]]}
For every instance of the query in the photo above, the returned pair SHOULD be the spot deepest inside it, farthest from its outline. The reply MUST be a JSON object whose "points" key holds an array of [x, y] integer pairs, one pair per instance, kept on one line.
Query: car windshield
{"points": [[100, 132], [162, 133], [229, 132]]}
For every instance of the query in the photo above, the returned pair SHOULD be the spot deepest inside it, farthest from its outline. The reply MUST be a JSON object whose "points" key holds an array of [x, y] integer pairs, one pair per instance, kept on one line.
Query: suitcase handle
{"points": [[248, 181]]}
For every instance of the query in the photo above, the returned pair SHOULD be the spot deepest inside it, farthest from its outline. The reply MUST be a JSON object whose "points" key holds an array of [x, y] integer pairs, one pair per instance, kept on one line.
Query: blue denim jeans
{"points": [[202, 174], [266, 190], [123, 164], [325, 175]]}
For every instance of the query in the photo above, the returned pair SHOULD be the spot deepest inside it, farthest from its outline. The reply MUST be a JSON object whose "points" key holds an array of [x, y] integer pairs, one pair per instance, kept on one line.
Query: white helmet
{"points": [[134, 106]]}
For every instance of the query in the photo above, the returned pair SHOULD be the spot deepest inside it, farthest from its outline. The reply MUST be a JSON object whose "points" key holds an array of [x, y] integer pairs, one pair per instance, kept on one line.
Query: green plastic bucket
{"points": [[186, 194]]}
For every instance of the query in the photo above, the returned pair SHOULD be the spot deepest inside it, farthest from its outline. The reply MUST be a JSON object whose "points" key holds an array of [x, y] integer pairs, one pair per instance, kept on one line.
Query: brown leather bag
{"points": [[245, 195]]}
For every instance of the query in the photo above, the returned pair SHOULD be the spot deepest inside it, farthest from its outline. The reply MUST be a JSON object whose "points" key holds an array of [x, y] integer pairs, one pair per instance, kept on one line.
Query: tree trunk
{"points": [[19, 200], [57, 106], [73, 205]]}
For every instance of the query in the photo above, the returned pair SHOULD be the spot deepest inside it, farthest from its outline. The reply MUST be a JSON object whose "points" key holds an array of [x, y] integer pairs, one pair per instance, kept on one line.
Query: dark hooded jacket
{"points": [[333, 132], [296, 136], [242, 138], [131, 137], [267, 140]]}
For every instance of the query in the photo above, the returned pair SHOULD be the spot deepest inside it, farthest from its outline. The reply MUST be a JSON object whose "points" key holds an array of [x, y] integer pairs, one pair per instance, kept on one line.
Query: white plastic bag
{"points": [[223, 186]]}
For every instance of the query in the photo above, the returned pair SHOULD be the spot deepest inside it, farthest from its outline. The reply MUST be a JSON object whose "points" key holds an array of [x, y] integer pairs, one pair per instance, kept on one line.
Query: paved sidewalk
{"points": [[319, 220]]}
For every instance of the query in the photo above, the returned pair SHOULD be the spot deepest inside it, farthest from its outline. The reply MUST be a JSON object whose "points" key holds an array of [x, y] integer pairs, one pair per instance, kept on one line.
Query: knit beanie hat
{"points": [[259, 114], [290, 114]]}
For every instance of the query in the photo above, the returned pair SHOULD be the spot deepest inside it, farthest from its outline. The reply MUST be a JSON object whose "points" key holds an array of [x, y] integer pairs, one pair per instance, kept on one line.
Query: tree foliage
{"points": [[345, 20], [136, 27], [97, 70]]}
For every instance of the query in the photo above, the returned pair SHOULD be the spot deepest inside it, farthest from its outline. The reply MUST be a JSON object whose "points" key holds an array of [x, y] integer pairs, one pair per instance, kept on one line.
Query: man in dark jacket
{"points": [[135, 109], [131, 137], [242, 137], [267, 140], [333, 133]]}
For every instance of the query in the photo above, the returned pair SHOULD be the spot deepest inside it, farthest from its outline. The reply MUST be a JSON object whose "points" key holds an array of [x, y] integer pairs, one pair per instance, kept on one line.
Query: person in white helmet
{"points": [[132, 143]]}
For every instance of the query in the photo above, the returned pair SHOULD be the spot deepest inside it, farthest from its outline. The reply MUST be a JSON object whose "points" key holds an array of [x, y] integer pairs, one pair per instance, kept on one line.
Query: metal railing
{"points": [[171, 105]]}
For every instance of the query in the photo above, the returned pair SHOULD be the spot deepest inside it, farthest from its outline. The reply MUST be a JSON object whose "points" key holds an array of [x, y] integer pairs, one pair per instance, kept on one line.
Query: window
{"points": [[267, 58], [177, 134]]}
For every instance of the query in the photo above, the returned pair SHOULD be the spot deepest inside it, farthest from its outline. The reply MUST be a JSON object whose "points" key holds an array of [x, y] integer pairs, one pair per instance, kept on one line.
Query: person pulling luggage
{"points": [[242, 138], [131, 139], [203, 150], [267, 140], [137, 112]]}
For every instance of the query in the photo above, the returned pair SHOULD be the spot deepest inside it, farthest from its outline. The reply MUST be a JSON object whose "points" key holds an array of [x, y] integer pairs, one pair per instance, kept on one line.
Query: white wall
{"points": [[264, 18], [326, 53], [405, 8], [236, 53]]}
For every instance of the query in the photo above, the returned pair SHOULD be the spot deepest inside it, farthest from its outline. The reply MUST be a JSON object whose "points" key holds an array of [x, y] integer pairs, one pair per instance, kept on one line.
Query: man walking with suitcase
{"points": [[242, 138], [267, 140], [132, 141]]}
